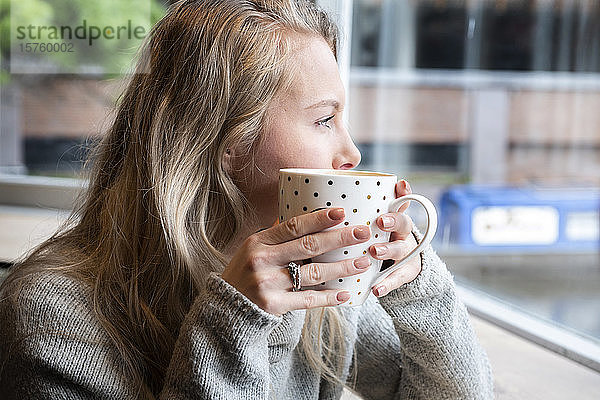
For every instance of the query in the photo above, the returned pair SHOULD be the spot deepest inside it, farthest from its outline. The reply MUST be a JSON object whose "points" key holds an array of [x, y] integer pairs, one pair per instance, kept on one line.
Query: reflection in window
{"points": [[491, 107], [441, 33], [58, 85], [510, 35]]}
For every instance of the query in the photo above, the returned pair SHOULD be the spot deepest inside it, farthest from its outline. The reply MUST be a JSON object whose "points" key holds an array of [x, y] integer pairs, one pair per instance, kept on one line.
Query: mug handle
{"points": [[429, 232]]}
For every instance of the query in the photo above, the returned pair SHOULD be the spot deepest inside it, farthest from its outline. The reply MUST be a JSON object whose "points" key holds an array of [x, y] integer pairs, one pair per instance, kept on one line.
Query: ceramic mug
{"points": [[364, 195]]}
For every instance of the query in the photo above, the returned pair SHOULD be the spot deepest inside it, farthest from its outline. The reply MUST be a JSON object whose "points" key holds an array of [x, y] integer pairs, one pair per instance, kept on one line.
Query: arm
{"points": [[222, 351], [435, 354], [54, 347]]}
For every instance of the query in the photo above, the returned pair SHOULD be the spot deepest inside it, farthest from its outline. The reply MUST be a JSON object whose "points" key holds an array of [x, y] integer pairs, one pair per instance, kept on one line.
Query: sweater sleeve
{"points": [[435, 354], [53, 346], [222, 350]]}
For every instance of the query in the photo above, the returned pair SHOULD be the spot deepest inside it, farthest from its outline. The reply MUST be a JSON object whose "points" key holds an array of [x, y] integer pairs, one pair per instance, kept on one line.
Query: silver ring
{"points": [[294, 270]]}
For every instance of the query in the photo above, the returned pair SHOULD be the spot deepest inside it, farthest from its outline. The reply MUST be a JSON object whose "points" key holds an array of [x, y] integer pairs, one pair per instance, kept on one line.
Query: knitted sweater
{"points": [[414, 343]]}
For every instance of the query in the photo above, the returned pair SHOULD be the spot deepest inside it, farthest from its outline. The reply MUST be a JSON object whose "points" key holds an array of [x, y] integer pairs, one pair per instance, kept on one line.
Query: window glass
{"points": [[490, 109], [61, 69]]}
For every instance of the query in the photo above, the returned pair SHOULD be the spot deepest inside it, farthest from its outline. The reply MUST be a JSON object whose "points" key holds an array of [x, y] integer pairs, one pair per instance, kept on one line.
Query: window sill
{"points": [[39, 191]]}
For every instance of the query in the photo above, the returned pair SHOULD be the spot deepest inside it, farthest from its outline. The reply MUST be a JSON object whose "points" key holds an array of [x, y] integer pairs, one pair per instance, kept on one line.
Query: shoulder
{"points": [[53, 341], [48, 302], [30, 283]]}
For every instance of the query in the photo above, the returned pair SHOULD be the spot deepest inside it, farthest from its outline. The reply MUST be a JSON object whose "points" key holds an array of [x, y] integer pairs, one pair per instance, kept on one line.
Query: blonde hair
{"points": [[160, 208]]}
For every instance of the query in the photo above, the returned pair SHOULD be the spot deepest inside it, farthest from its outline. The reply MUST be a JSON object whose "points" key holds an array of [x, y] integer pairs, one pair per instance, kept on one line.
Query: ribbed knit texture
{"points": [[414, 343]]}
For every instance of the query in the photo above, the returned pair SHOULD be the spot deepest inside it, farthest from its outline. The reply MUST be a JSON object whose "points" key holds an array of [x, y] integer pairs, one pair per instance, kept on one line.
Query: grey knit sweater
{"points": [[414, 343]]}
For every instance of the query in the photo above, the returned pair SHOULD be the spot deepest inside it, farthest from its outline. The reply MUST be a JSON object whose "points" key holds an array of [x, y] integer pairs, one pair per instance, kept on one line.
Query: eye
{"points": [[323, 122]]}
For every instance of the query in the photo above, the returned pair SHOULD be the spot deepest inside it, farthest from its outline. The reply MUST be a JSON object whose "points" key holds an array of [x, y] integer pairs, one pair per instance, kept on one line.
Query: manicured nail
{"points": [[361, 232], [404, 184], [379, 290], [408, 187], [362, 262], [381, 250], [343, 296], [387, 221], [336, 213]]}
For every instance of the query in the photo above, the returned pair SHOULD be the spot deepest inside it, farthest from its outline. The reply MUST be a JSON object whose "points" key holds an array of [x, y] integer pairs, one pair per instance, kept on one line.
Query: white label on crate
{"points": [[514, 225], [583, 226]]}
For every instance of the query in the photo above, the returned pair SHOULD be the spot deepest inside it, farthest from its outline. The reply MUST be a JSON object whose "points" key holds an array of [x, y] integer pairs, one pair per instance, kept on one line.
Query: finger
{"points": [[314, 273], [403, 275], [301, 225], [395, 222], [402, 189], [395, 250], [266, 227], [307, 299], [314, 244]]}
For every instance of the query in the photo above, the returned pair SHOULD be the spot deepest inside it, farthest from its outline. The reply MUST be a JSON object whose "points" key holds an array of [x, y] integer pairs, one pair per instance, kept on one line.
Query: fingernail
{"points": [[379, 290], [404, 184], [380, 250], [361, 232], [408, 187], [387, 221], [362, 262], [343, 296], [336, 213]]}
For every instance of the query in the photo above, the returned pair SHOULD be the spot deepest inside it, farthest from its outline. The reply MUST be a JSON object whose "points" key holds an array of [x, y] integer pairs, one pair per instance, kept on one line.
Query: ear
{"points": [[226, 163]]}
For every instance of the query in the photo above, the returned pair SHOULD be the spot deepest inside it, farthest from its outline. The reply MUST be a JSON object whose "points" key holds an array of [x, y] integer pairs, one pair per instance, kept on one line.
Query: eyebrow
{"points": [[324, 103]]}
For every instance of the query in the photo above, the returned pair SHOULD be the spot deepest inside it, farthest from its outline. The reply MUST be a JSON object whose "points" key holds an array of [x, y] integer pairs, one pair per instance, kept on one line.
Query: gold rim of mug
{"points": [[338, 172]]}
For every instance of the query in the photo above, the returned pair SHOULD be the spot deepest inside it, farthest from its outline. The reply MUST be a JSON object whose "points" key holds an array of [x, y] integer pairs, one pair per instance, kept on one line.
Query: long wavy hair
{"points": [[159, 208]]}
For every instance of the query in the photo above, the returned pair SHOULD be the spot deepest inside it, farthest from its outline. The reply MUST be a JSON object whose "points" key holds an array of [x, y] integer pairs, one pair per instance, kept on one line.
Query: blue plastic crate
{"points": [[493, 218]]}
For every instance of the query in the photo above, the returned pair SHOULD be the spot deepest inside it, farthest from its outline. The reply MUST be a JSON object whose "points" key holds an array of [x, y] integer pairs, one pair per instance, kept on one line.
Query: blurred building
{"points": [[481, 91], [493, 91]]}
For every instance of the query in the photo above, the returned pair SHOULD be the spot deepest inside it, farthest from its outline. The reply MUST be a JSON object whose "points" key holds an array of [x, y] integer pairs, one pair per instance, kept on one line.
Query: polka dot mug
{"points": [[364, 195]]}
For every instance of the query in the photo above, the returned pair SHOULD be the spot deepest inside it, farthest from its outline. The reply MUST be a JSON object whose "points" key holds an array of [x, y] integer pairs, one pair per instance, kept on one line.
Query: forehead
{"points": [[316, 76]]}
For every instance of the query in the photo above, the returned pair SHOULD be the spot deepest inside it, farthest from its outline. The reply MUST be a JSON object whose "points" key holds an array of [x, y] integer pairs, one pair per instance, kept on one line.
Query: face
{"points": [[305, 127]]}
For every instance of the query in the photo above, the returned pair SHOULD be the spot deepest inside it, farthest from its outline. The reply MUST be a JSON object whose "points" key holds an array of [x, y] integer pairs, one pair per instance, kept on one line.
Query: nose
{"points": [[349, 156]]}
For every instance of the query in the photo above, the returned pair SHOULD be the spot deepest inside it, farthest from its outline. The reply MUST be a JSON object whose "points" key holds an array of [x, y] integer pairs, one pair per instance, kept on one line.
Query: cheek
{"points": [[300, 151], [295, 144], [318, 156], [314, 150], [319, 151], [277, 154], [293, 153]]}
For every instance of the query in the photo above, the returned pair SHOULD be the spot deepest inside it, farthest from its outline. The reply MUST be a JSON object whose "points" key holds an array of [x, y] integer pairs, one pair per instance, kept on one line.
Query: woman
{"points": [[170, 280]]}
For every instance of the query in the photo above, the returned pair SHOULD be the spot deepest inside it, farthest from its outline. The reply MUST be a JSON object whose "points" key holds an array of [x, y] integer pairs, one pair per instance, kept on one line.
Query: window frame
{"points": [[59, 193]]}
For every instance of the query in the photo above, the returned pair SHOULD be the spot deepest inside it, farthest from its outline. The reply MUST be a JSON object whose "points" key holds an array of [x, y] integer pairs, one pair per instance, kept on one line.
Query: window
{"points": [[60, 76], [490, 108]]}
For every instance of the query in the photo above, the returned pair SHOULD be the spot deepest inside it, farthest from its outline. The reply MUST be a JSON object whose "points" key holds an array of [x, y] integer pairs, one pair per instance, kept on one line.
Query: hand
{"points": [[259, 268], [401, 243]]}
